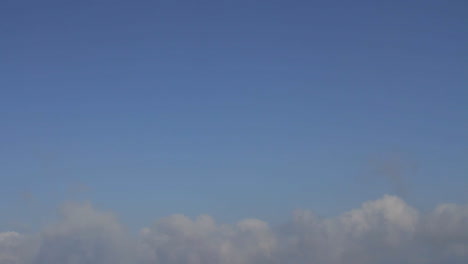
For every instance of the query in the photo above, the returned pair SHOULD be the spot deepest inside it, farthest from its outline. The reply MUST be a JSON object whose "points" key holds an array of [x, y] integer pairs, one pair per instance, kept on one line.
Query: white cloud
{"points": [[382, 231]]}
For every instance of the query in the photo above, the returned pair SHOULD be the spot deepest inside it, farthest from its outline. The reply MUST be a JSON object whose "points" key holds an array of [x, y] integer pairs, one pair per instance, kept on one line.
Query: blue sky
{"points": [[232, 108]]}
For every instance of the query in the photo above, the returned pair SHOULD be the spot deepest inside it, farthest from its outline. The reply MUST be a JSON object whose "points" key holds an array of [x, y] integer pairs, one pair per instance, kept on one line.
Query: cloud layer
{"points": [[382, 231]]}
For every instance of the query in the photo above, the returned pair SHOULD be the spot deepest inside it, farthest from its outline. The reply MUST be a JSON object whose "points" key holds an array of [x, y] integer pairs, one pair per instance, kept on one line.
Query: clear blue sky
{"points": [[232, 108]]}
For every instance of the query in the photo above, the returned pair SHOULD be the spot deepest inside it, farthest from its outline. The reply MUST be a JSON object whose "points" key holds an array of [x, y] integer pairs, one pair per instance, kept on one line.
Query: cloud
{"points": [[397, 170], [383, 231], [177, 239], [9, 245], [84, 235]]}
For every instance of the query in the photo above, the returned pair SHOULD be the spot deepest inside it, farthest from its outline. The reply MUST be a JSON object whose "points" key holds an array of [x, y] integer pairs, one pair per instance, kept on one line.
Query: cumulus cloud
{"points": [[383, 231], [9, 246], [84, 235]]}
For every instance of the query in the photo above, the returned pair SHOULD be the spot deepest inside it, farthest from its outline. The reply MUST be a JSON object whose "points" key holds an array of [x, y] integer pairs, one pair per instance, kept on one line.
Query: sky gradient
{"points": [[236, 109]]}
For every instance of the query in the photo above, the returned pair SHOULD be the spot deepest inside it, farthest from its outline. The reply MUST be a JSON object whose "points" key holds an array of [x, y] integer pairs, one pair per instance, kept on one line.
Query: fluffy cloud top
{"points": [[382, 231]]}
